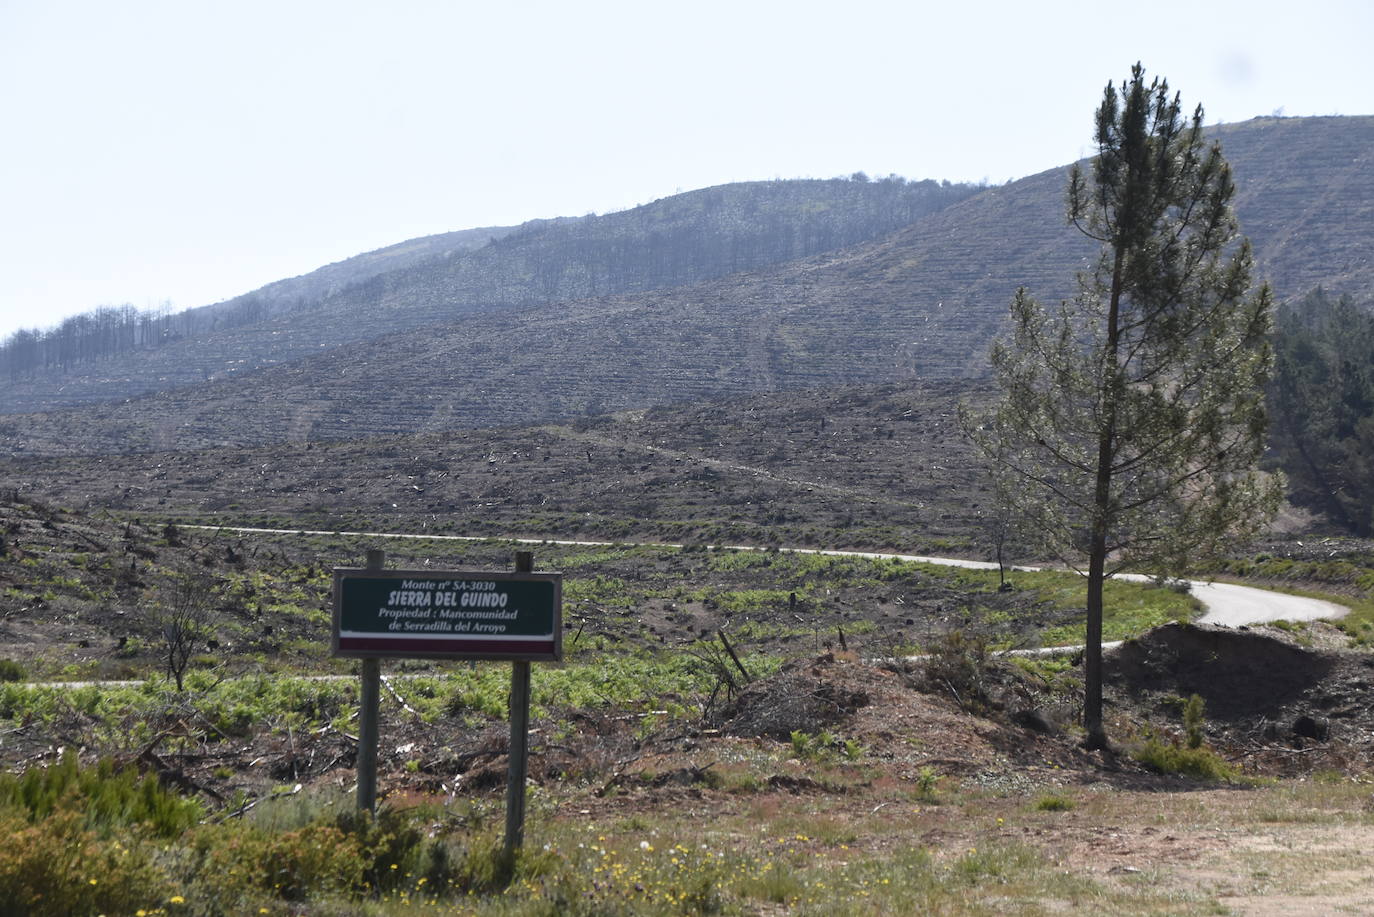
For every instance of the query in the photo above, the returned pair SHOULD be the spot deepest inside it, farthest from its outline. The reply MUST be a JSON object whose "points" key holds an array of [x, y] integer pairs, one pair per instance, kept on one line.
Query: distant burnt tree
{"points": [[693, 237], [113, 331]]}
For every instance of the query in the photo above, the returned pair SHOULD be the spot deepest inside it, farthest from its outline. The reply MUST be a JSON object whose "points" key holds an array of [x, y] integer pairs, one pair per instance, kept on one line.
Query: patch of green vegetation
{"points": [[1192, 758], [1167, 758], [111, 799], [760, 631], [1359, 623], [635, 682], [749, 601], [732, 561], [1045, 667], [231, 706], [1352, 577], [602, 591], [823, 747], [1130, 609], [579, 560]]}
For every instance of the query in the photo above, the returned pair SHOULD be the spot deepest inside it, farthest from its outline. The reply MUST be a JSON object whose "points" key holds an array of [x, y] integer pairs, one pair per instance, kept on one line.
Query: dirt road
{"points": [[1226, 604]]}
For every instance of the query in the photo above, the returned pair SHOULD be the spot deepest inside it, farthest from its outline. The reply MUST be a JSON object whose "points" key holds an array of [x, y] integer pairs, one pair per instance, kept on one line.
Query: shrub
{"points": [[958, 664], [56, 866], [11, 671], [1053, 802], [395, 852], [237, 860], [1167, 758], [111, 799]]}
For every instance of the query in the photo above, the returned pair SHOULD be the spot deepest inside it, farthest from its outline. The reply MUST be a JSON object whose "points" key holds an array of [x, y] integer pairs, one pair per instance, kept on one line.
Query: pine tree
{"points": [[1131, 418], [1322, 401]]}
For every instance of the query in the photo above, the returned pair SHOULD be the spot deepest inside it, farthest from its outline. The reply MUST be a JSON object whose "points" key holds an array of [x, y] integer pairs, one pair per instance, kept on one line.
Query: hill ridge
{"points": [[920, 303], [673, 241]]}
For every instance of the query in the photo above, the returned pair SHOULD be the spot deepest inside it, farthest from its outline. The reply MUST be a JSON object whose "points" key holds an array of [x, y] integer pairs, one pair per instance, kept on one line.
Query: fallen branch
{"points": [[246, 806], [386, 683], [731, 650]]}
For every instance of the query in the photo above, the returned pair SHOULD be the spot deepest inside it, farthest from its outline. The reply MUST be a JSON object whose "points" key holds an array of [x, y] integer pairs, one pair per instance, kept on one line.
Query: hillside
{"points": [[921, 303], [881, 467], [299, 292], [1305, 197], [116, 354]]}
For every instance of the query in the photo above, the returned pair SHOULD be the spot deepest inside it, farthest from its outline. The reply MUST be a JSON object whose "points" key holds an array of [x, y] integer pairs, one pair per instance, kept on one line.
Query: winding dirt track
{"points": [[1226, 604]]}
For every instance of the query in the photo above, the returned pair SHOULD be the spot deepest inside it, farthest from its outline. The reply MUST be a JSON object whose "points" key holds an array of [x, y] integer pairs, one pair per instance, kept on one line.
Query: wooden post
{"points": [[368, 703], [519, 737]]}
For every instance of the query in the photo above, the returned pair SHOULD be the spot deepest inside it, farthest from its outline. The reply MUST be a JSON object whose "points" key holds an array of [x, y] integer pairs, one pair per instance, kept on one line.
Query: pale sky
{"points": [[184, 152]]}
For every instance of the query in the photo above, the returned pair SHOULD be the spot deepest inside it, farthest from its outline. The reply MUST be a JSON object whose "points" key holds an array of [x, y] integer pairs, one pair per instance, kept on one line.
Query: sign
{"points": [[446, 614]]}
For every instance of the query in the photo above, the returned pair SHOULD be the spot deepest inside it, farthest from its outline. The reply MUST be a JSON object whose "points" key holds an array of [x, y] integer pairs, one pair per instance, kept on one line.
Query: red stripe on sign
{"points": [[431, 645]]}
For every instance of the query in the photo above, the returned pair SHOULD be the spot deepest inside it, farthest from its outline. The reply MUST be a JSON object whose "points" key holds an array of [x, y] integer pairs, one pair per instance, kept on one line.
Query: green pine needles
{"points": [[1132, 416]]}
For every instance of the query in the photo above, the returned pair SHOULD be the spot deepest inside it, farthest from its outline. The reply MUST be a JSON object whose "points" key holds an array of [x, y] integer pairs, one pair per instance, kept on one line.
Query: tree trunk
{"points": [[1102, 515], [1092, 650]]}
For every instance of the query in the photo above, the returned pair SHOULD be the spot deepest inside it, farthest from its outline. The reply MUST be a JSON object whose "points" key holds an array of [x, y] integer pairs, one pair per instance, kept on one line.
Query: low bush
{"points": [[1168, 758], [110, 799], [57, 867], [1193, 758], [958, 665], [238, 863], [398, 853]]}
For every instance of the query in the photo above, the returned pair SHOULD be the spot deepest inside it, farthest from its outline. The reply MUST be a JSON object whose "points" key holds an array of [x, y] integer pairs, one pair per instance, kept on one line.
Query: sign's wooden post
{"points": [[519, 736], [368, 703], [448, 614]]}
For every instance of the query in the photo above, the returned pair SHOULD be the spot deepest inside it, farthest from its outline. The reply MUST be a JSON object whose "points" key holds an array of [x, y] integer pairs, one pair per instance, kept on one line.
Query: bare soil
{"points": [[953, 751], [884, 467], [1274, 704]]}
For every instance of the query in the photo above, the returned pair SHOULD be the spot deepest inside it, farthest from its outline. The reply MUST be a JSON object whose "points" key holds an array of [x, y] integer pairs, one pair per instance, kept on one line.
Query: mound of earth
{"points": [[1239, 673], [806, 695], [894, 719], [1273, 701]]}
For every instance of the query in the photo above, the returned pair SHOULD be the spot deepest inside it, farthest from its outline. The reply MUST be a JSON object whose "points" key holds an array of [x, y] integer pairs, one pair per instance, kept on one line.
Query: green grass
{"points": [[1129, 609], [312, 855], [1359, 623], [1053, 802], [1353, 584]]}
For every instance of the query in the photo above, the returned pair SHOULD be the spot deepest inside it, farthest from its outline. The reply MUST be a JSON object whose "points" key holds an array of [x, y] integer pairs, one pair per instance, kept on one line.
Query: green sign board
{"points": [[447, 614]]}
